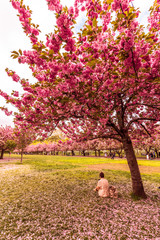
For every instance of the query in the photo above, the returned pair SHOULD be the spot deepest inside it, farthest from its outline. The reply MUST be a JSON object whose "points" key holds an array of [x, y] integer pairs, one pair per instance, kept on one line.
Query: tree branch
{"points": [[139, 119]]}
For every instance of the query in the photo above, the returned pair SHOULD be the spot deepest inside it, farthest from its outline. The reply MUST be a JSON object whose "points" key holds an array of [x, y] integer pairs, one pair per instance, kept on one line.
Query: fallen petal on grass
{"points": [[61, 204]]}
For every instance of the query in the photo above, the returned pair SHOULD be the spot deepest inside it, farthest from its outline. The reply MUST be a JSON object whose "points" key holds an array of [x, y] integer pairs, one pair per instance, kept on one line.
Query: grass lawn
{"points": [[52, 197]]}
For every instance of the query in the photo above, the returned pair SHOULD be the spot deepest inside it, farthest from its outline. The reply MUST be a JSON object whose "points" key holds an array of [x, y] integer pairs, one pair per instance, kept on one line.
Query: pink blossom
{"points": [[16, 94], [35, 31], [16, 4], [15, 77]]}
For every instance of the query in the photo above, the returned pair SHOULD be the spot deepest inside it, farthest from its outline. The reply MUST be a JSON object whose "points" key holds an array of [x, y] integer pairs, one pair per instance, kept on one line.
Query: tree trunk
{"points": [[156, 151], [137, 185], [21, 156], [118, 152], [83, 153], [95, 153], [73, 154], [2, 152], [99, 153]]}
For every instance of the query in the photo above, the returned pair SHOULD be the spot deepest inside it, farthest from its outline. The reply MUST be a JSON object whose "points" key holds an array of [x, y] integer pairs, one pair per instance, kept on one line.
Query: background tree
{"points": [[7, 140], [101, 83], [23, 138], [148, 143]]}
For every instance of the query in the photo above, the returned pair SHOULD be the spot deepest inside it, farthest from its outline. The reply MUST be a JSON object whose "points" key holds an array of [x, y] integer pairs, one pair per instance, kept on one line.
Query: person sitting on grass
{"points": [[103, 188]]}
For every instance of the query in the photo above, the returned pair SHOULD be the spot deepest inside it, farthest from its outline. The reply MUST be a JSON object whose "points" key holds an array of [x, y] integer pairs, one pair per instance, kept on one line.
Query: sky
{"points": [[13, 38]]}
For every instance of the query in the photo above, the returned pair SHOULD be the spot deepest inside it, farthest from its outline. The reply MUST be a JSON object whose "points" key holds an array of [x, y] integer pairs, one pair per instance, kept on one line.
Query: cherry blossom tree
{"points": [[148, 143], [114, 147], [7, 140], [96, 145], [156, 143], [144, 143], [53, 147], [69, 145], [31, 148], [100, 83], [23, 138]]}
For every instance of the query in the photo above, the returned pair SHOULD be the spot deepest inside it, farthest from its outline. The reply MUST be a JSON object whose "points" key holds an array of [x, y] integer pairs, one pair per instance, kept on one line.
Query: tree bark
{"points": [[99, 153], [2, 153], [137, 185], [156, 151], [73, 154], [95, 153], [84, 154], [21, 156]]}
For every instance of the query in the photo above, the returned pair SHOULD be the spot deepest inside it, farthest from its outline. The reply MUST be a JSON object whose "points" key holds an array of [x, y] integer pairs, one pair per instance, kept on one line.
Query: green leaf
{"points": [[81, 84], [89, 27], [120, 15], [149, 36], [65, 54], [126, 12], [109, 1], [131, 9], [85, 32], [74, 21], [132, 15], [92, 63], [94, 22], [15, 56], [65, 9], [20, 51], [35, 46], [15, 52], [51, 52], [64, 100], [44, 57], [10, 74]]}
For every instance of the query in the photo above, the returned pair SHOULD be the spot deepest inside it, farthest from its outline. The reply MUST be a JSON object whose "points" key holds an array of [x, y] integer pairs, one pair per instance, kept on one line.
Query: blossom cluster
{"points": [[25, 18]]}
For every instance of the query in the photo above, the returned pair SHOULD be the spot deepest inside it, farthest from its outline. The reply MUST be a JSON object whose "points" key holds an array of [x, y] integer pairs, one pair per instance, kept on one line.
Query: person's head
{"points": [[101, 175]]}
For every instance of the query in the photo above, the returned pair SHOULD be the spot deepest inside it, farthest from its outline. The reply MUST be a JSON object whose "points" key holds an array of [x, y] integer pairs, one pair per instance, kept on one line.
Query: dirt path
{"points": [[123, 167], [9, 160], [97, 167], [10, 163]]}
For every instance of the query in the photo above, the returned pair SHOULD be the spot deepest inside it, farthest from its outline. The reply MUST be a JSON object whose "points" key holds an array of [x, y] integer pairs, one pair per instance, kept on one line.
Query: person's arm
{"points": [[98, 186]]}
